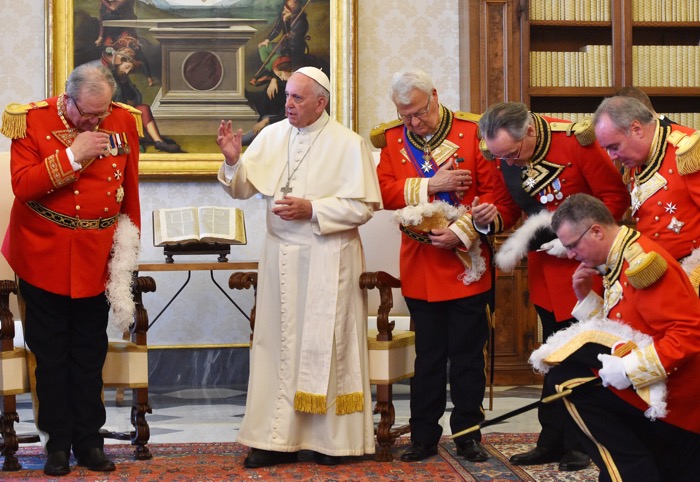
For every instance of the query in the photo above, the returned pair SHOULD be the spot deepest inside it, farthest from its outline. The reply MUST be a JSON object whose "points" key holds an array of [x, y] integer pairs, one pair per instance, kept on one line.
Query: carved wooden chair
{"points": [[126, 366], [14, 379], [391, 353]]}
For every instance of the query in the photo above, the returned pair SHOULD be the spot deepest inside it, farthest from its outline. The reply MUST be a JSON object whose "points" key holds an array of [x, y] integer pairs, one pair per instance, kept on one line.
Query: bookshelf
{"points": [[505, 37], [576, 53]]}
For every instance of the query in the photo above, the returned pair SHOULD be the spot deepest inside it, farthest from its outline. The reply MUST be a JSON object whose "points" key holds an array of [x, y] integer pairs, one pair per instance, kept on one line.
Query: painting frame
{"points": [[203, 166]]}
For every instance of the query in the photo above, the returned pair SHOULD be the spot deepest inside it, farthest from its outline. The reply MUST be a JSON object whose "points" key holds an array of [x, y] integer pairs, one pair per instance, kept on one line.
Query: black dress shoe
{"points": [[538, 455], [418, 451], [472, 451], [574, 460], [57, 463], [323, 459], [258, 458], [95, 459]]}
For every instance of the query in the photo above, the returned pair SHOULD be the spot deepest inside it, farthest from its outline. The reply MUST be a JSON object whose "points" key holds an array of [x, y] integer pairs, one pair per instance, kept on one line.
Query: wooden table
{"points": [[189, 266]]}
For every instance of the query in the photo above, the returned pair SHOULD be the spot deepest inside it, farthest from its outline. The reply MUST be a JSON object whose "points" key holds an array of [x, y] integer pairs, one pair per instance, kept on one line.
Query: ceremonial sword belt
{"points": [[69, 221]]}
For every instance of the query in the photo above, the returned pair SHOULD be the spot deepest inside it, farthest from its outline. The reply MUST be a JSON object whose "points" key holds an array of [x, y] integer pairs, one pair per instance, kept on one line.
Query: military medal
{"points": [[120, 147], [531, 172], [127, 149], [112, 145], [426, 154], [558, 195]]}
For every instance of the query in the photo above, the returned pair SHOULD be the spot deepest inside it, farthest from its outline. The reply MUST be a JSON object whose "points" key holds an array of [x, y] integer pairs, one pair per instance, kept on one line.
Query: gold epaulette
{"points": [[644, 269], [468, 116], [137, 116], [377, 136], [485, 151], [584, 130], [14, 119], [687, 152]]}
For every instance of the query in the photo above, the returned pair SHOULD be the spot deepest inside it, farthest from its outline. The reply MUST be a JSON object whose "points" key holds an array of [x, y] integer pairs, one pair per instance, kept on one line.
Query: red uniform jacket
{"points": [[679, 198], [430, 273], [65, 261], [675, 328], [586, 169]]}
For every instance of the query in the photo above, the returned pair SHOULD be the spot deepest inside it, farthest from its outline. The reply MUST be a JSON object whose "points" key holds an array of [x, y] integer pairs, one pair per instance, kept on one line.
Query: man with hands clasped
{"points": [[431, 172], [74, 167], [645, 423]]}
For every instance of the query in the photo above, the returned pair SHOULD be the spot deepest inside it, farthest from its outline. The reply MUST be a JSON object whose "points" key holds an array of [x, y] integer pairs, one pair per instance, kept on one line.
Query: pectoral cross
{"points": [[286, 189]]}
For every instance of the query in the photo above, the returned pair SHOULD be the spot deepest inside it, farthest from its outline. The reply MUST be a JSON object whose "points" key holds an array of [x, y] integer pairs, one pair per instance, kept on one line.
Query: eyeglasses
{"points": [[88, 115], [572, 246], [420, 114], [510, 157]]}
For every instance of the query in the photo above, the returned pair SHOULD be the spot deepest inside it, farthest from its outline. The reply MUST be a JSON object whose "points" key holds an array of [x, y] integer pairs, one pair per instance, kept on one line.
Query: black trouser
{"points": [[455, 330], [69, 339], [557, 430], [629, 447]]}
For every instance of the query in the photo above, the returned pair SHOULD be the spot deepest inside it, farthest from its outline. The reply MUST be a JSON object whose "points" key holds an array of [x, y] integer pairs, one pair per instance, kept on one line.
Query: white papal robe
{"points": [[338, 176]]}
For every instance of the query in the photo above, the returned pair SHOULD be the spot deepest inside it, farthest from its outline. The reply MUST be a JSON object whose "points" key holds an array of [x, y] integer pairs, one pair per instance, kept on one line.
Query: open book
{"points": [[206, 224]]}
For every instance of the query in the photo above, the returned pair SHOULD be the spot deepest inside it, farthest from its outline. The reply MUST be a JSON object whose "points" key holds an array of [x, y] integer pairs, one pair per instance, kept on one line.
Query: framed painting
{"points": [[187, 64]]}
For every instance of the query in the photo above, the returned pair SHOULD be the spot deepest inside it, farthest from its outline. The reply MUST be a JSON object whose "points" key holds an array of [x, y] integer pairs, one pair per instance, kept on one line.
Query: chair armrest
{"points": [[7, 320], [243, 280], [384, 282], [141, 284]]}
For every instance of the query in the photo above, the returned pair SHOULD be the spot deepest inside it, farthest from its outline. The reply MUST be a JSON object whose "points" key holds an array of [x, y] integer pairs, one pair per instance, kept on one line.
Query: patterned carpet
{"points": [[223, 461]]}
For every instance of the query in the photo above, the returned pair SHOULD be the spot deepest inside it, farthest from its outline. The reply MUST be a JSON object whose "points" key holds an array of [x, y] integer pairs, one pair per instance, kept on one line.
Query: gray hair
{"points": [[514, 117], [89, 79], [405, 81], [321, 91], [622, 112], [581, 207]]}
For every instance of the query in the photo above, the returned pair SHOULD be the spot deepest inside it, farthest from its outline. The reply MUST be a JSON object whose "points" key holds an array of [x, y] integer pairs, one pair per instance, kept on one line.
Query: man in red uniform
{"points": [[661, 167], [431, 168], [645, 425], [74, 168], [543, 161]]}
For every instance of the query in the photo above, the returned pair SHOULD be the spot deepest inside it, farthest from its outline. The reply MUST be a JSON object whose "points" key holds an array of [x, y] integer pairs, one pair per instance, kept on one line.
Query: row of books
{"points": [[589, 67], [688, 119], [574, 10], [666, 65], [599, 10], [665, 11]]}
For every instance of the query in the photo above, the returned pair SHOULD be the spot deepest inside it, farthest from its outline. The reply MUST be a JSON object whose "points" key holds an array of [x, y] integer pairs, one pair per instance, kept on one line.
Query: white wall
{"points": [[392, 34]]}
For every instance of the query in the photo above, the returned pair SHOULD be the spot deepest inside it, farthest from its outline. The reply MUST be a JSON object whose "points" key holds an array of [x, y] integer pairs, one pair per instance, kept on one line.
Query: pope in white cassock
{"points": [[309, 381]]}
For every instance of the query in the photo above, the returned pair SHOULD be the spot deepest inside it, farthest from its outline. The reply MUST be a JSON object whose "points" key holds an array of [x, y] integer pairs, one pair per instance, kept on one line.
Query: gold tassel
{"points": [[695, 278], [137, 116], [310, 403], [14, 122], [377, 136], [584, 132], [645, 269], [688, 154], [349, 403], [485, 151]]}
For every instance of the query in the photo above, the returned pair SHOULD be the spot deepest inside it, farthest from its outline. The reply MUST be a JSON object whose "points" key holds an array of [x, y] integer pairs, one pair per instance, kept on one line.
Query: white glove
{"points": [[613, 372], [554, 248]]}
